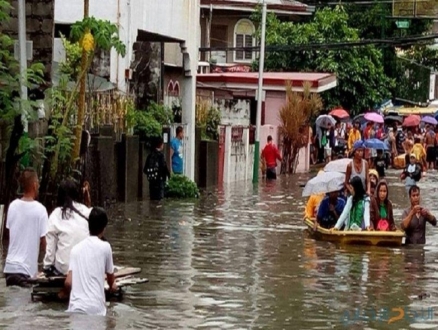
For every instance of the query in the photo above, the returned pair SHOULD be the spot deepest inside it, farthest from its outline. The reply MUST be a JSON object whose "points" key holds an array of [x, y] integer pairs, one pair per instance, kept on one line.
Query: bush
{"points": [[180, 186]]}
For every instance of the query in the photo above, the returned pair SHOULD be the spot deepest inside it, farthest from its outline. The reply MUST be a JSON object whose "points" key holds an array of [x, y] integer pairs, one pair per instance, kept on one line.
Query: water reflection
{"points": [[240, 258]]}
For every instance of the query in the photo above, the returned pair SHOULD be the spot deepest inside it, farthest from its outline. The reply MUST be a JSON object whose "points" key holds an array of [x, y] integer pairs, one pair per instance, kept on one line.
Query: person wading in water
{"points": [[270, 155]]}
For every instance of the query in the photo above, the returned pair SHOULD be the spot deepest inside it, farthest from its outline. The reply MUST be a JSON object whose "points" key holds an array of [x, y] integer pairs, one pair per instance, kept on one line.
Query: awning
{"points": [[272, 81]]}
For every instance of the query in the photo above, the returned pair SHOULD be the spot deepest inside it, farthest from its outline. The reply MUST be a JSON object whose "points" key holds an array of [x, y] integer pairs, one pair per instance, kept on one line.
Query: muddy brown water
{"points": [[240, 258]]}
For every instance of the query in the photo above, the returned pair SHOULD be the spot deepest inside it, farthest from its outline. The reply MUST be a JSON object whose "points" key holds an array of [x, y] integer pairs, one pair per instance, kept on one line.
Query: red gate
{"points": [[221, 156]]}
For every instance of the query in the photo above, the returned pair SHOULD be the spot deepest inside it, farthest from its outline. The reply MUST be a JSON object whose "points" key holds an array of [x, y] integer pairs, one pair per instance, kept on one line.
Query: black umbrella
{"points": [[392, 118]]}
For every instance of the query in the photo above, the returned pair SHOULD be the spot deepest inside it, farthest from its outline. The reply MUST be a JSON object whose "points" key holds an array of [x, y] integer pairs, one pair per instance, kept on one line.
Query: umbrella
{"points": [[392, 118], [374, 117], [429, 120], [412, 121], [360, 119], [325, 121], [340, 113], [339, 165], [375, 144], [324, 183]]}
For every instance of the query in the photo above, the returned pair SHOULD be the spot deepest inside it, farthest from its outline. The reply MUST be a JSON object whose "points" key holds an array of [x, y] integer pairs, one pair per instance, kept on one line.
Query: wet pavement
{"points": [[240, 258]]}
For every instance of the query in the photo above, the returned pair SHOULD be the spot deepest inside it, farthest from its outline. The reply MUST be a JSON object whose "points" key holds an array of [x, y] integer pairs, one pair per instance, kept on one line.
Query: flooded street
{"points": [[241, 259]]}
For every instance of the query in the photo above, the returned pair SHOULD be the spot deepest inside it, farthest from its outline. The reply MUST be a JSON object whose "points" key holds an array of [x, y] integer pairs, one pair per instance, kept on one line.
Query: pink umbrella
{"points": [[374, 117], [340, 113], [412, 121]]}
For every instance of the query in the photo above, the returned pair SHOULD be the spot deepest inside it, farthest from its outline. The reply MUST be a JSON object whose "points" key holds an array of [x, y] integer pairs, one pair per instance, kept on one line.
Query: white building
{"points": [[169, 21]]}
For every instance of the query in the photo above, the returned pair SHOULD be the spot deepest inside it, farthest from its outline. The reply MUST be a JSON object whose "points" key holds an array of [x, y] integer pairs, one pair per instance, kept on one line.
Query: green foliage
{"points": [[60, 140], [149, 123], [73, 52], [372, 22], [105, 33], [180, 186], [422, 55], [413, 68], [10, 74], [208, 118], [213, 122], [362, 82]]}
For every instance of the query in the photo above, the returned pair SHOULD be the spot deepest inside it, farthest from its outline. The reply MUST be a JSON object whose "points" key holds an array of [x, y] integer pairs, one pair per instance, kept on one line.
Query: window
{"points": [[244, 37]]}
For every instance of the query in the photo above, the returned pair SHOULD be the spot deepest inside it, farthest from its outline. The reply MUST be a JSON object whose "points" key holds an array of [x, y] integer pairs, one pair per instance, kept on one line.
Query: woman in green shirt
{"points": [[356, 214], [381, 213]]}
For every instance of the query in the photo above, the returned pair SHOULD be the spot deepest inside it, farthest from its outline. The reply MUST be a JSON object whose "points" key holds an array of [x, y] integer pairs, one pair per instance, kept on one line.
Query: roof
{"points": [[271, 80], [285, 7]]}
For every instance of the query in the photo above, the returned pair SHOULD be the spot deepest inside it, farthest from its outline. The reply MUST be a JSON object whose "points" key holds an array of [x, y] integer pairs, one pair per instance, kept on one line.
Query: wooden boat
{"points": [[49, 287], [376, 238]]}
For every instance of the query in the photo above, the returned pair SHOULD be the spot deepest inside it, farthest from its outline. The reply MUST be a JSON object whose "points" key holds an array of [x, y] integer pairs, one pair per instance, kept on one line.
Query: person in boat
{"points": [[90, 261], [358, 167], [415, 218], [411, 173], [381, 211], [68, 225], [27, 223], [329, 210], [374, 180], [312, 205], [356, 214]]}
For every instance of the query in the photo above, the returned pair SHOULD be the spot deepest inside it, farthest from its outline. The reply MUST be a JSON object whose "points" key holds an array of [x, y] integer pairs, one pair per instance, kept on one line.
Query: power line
{"points": [[394, 42]]}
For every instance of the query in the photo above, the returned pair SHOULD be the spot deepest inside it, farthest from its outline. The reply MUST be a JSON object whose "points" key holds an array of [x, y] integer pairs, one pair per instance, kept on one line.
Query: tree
{"points": [[295, 118], [92, 34], [362, 82]]}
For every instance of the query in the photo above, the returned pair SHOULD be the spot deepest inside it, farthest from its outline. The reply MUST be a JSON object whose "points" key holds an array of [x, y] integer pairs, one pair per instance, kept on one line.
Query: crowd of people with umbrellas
{"points": [[351, 192]]}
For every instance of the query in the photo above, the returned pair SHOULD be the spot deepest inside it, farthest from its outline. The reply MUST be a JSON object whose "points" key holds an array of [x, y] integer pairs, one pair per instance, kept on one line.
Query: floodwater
{"points": [[240, 258]]}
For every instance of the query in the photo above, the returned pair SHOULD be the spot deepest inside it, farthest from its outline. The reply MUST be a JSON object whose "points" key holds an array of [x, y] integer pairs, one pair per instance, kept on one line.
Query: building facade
{"points": [[172, 23]]}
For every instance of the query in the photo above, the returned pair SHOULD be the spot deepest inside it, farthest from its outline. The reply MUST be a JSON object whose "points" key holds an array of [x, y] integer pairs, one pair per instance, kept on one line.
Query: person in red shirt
{"points": [[270, 154]]}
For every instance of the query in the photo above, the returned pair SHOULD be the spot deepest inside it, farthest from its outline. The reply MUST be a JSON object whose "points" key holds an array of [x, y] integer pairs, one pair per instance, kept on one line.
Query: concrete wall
{"points": [[273, 103], [172, 54], [239, 156], [39, 26], [234, 112], [178, 22]]}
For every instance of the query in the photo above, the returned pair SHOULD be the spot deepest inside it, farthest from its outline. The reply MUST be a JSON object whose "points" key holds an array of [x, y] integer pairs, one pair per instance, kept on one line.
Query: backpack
{"points": [[152, 167]]}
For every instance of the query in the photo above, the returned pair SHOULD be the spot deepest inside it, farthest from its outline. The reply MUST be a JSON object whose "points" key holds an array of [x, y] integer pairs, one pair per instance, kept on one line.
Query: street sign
{"points": [[402, 24]]}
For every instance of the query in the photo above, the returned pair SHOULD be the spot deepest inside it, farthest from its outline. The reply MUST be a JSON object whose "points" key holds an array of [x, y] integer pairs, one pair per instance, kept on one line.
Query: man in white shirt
{"points": [[90, 260], [27, 223]]}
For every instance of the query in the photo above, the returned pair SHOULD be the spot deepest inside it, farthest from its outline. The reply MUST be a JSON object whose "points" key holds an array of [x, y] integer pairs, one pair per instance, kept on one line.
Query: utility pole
{"points": [[23, 57], [23, 72], [255, 177], [82, 89]]}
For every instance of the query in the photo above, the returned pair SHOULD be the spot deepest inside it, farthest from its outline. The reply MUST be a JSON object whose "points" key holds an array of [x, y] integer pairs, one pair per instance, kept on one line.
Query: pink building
{"points": [[235, 95]]}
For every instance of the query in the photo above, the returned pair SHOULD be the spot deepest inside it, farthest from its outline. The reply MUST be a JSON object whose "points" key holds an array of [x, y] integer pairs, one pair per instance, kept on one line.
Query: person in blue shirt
{"points": [[330, 210], [176, 146]]}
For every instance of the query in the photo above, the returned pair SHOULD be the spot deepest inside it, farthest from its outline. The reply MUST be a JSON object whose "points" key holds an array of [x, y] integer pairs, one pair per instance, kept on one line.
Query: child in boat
{"points": [[381, 214], [374, 179], [90, 260], [329, 210], [356, 214], [68, 225]]}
